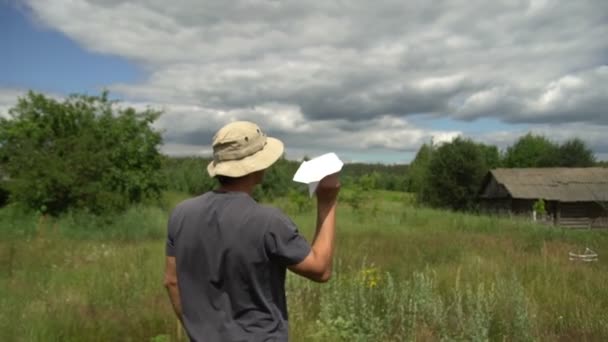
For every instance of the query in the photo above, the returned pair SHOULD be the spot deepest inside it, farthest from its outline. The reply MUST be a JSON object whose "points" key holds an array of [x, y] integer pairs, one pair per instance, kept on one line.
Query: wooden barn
{"points": [[574, 197]]}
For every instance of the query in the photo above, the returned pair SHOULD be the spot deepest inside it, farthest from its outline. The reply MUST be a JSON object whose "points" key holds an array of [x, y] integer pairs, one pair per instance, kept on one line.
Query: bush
{"points": [[301, 202], [188, 175], [539, 207], [83, 152], [456, 171], [354, 198]]}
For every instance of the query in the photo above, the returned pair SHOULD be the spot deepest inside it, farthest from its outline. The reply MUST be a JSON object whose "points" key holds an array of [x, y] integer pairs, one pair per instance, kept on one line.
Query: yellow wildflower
{"points": [[370, 277]]}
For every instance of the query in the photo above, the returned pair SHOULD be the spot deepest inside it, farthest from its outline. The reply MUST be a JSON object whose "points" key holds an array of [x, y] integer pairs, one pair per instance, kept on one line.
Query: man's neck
{"points": [[246, 188], [244, 184]]}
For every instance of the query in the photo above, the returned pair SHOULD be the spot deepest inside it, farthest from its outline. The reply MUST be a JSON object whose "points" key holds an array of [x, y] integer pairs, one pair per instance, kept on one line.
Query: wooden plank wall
{"points": [[582, 215]]}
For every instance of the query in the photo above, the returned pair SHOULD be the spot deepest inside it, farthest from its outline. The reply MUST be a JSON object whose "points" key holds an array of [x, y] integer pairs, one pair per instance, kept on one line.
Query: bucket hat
{"points": [[241, 148]]}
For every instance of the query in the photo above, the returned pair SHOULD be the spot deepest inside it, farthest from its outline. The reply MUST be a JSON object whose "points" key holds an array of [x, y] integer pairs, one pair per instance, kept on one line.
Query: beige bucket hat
{"points": [[241, 148]]}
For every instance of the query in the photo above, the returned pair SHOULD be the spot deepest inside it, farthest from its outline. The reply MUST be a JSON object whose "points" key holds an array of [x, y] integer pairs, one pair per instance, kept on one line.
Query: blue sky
{"points": [[324, 76], [40, 58]]}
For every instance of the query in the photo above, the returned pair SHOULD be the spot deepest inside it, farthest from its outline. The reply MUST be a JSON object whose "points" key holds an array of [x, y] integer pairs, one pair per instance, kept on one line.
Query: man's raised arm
{"points": [[317, 266]]}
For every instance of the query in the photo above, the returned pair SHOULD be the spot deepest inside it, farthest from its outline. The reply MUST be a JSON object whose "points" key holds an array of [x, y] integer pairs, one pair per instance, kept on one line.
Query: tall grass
{"points": [[448, 275], [402, 273], [144, 221]]}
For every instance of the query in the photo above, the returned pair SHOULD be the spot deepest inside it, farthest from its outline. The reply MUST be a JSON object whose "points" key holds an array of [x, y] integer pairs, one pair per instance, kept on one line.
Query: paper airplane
{"points": [[311, 172]]}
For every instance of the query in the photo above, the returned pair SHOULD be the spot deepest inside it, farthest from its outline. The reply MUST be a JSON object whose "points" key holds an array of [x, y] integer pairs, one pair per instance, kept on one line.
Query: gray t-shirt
{"points": [[231, 255]]}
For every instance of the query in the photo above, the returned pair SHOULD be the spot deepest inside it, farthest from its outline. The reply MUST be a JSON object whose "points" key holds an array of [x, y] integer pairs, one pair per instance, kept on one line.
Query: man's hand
{"points": [[328, 188]]}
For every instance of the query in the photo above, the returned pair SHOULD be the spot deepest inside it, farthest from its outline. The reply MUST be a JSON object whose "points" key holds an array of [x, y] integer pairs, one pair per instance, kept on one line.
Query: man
{"points": [[227, 255]]}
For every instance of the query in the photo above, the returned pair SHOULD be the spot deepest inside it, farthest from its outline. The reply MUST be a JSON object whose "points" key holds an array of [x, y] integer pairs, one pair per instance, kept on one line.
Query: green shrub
{"points": [[187, 175], [83, 152], [539, 207], [355, 198], [301, 202]]}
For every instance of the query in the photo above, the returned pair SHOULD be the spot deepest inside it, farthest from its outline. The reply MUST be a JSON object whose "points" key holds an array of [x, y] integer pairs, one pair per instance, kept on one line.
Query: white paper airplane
{"points": [[311, 172]]}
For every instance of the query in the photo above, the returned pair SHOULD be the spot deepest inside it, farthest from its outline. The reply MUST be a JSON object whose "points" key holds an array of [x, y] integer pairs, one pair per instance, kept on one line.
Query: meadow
{"points": [[402, 273]]}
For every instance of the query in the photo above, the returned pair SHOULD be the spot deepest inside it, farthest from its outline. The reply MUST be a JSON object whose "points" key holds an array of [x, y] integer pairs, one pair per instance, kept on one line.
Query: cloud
{"points": [[350, 73], [186, 126], [8, 98], [188, 130]]}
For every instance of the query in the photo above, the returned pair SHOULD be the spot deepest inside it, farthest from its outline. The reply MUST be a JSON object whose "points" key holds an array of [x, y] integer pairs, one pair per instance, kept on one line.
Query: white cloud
{"points": [[10, 96], [8, 99], [580, 97], [348, 74], [440, 83], [185, 150]]}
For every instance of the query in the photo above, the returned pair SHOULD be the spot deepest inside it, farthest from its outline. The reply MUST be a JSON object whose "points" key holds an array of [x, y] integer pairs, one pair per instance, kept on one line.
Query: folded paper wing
{"points": [[311, 172]]}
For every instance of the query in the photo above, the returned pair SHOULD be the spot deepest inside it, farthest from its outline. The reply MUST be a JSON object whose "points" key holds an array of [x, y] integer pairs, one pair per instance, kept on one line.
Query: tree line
{"points": [[188, 175], [449, 175]]}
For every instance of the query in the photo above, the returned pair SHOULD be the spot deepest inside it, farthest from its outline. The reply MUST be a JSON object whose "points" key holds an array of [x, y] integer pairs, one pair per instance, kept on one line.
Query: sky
{"points": [[370, 80]]}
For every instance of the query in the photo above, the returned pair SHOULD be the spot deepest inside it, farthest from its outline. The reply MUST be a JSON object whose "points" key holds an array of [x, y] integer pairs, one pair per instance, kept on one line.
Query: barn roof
{"points": [[555, 184]]}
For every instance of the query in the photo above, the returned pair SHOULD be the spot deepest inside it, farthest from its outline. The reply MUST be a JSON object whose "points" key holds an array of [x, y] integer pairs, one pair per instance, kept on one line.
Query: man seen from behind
{"points": [[227, 255]]}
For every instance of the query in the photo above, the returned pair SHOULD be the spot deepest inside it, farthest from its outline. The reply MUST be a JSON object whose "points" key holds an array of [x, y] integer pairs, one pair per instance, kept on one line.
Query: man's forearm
{"points": [[173, 292], [323, 242]]}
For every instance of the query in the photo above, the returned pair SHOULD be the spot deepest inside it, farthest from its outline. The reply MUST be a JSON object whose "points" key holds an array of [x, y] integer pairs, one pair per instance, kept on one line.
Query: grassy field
{"points": [[402, 273]]}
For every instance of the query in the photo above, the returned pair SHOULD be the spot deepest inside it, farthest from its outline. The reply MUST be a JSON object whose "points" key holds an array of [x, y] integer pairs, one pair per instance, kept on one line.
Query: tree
{"points": [[456, 171], [575, 153], [418, 172], [82, 152], [491, 156], [532, 151]]}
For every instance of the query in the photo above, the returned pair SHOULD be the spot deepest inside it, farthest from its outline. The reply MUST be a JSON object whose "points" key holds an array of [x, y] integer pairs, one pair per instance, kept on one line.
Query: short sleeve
{"points": [[171, 230], [283, 242]]}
